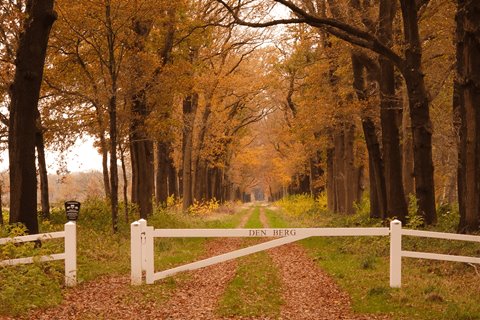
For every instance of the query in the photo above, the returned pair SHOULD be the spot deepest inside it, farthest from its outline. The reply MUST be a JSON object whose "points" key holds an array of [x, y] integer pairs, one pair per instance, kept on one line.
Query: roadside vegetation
{"points": [[360, 265]]}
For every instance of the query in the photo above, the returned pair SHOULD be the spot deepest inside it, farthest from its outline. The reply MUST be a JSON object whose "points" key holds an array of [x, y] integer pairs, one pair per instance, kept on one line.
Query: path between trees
{"points": [[307, 291]]}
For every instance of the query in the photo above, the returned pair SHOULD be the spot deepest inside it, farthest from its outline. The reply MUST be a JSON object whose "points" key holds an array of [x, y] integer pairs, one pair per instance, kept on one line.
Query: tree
{"points": [[409, 64], [467, 112], [25, 91]]}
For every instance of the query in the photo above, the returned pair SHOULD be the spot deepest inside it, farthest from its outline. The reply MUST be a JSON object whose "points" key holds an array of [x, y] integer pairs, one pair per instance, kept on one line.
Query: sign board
{"points": [[72, 208]]}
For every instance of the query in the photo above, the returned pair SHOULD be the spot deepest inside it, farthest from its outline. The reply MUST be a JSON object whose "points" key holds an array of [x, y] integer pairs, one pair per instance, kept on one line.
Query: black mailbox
{"points": [[72, 208]]}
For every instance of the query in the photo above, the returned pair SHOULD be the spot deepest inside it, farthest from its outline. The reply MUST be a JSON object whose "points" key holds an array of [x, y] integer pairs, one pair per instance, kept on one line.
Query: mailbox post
{"points": [[72, 208]]}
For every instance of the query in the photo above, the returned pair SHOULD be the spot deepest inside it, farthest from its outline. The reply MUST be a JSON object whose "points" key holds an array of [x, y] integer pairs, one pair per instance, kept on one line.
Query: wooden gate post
{"points": [[395, 254], [70, 254], [135, 254]]}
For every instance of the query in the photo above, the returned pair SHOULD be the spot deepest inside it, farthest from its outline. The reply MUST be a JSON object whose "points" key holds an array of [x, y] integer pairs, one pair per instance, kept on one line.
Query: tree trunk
{"points": [[106, 178], [25, 91], [112, 111], [142, 149], [125, 183], [141, 144], [190, 104], [113, 161], [389, 110], [316, 174], [200, 183], [42, 170], [173, 185], [331, 199], [467, 109], [407, 149], [161, 178], [351, 172], [378, 199], [339, 171], [419, 114]]}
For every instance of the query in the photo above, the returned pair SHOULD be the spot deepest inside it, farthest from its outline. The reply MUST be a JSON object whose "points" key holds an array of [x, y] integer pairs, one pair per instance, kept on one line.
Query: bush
{"points": [[302, 204]]}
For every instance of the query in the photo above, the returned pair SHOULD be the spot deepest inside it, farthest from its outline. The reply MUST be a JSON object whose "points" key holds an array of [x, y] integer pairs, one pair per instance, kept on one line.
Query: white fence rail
{"points": [[142, 248], [69, 255], [396, 252]]}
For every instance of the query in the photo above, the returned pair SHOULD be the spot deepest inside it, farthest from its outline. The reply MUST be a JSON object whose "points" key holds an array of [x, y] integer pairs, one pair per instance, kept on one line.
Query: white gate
{"points": [[142, 249], [143, 236]]}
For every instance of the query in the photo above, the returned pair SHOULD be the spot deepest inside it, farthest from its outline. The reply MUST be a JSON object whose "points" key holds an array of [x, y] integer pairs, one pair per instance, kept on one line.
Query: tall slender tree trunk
{"points": [[467, 111], [173, 185], [378, 198], [407, 149], [142, 148], [389, 110], [190, 104], [106, 178], [331, 199], [25, 92], [141, 144], [112, 111], [125, 183], [162, 175], [42, 170], [339, 170], [419, 113], [201, 164]]}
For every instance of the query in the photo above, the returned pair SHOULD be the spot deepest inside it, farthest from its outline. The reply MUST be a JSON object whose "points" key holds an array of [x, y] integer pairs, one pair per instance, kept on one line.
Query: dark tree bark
{"points": [[42, 170], [190, 104], [200, 187], [25, 91], [142, 149], [125, 182], [173, 185], [330, 181], [419, 113], [112, 111], [389, 110], [104, 151], [162, 175], [378, 199], [141, 146], [316, 174], [407, 150], [467, 110]]}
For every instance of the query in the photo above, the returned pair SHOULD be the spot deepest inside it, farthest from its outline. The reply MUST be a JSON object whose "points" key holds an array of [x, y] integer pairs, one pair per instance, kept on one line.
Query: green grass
{"points": [[360, 265], [256, 288], [100, 253], [254, 291]]}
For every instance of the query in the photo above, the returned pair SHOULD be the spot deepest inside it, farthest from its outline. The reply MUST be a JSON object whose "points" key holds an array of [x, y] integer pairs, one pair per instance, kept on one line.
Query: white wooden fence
{"points": [[396, 252], [142, 248], [69, 254]]}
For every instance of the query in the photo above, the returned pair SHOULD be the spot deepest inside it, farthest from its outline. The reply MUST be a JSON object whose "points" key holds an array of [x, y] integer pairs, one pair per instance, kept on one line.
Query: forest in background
{"points": [[209, 100]]}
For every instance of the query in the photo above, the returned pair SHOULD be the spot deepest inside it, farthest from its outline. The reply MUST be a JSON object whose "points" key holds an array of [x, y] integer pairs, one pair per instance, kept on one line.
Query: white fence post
{"points": [[135, 254], [143, 225], [395, 254], [70, 254], [149, 256]]}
